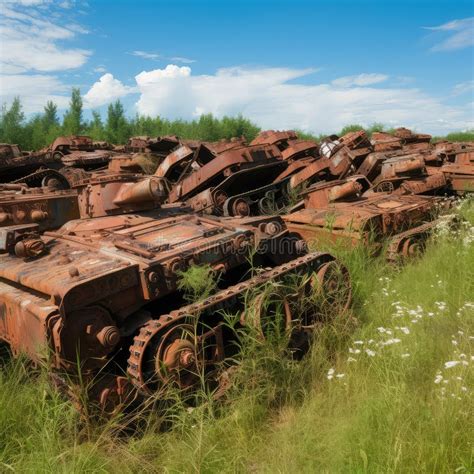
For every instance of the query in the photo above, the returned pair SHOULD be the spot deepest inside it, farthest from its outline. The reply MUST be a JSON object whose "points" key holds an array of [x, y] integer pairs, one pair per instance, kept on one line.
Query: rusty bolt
{"points": [[109, 336], [73, 272]]}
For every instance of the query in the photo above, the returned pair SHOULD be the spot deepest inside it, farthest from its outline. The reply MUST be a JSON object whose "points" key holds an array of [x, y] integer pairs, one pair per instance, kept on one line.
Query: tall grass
{"points": [[391, 392]]}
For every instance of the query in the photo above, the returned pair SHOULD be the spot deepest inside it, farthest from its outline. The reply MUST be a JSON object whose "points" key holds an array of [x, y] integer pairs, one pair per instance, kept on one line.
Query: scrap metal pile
{"points": [[93, 250]]}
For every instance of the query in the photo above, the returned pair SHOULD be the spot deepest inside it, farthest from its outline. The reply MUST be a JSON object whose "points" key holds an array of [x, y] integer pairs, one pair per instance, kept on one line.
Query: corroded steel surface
{"points": [[92, 272], [92, 289], [341, 211], [48, 209]]}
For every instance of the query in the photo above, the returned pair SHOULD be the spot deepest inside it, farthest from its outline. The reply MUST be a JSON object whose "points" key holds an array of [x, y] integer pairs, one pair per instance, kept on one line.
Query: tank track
{"points": [[395, 250], [222, 300], [256, 195], [39, 175]]}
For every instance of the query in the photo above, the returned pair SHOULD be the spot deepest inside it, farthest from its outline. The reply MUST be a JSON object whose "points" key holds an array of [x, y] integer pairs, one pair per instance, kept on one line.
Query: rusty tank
{"points": [[99, 298], [340, 211], [46, 208], [408, 174], [79, 151], [58, 165], [233, 182], [459, 169]]}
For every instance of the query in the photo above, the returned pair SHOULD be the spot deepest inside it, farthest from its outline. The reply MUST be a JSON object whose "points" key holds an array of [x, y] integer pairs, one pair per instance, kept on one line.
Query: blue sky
{"points": [[285, 64]]}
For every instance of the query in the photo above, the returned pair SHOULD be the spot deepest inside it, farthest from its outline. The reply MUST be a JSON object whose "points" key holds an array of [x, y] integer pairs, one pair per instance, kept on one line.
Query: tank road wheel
{"points": [[326, 294], [240, 207], [412, 248], [335, 287], [55, 181], [270, 314], [219, 199], [385, 187], [267, 204], [165, 354]]}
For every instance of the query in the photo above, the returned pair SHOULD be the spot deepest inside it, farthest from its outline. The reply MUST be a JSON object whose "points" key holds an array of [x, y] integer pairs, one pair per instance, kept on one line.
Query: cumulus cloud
{"points": [[35, 90], [30, 43], [359, 80], [32, 48], [266, 96], [461, 34], [106, 90]]}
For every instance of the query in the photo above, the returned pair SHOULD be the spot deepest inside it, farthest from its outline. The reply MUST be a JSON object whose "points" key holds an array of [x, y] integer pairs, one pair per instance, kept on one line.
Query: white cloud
{"points": [[145, 55], [106, 90], [463, 87], [461, 34], [180, 59], [33, 34], [265, 96], [30, 43], [156, 57], [100, 69], [35, 90], [359, 80]]}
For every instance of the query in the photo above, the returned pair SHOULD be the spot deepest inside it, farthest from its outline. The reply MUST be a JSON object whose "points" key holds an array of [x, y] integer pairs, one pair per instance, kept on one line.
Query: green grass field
{"points": [[385, 389]]}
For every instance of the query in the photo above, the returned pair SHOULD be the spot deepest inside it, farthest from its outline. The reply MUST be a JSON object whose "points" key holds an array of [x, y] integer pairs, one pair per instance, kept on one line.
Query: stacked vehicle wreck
{"points": [[93, 249]]}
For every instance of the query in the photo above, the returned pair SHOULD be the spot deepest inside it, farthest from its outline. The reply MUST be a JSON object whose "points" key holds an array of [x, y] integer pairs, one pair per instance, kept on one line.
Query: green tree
{"points": [[96, 128], [116, 129], [238, 127], [36, 134], [11, 123], [209, 128], [50, 115], [351, 128], [72, 123]]}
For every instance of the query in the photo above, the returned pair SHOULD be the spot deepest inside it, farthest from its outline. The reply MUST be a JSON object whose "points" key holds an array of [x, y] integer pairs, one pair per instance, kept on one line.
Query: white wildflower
{"points": [[451, 363], [404, 356], [405, 330], [370, 353], [389, 342], [340, 376], [351, 359], [438, 379]]}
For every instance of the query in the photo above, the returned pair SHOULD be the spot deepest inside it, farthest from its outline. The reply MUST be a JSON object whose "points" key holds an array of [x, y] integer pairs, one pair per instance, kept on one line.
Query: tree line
{"points": [[41, 129]]}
